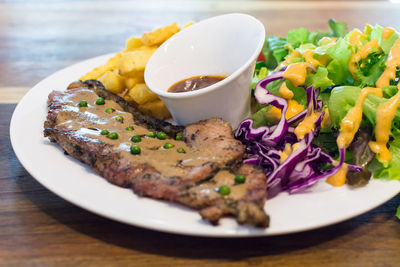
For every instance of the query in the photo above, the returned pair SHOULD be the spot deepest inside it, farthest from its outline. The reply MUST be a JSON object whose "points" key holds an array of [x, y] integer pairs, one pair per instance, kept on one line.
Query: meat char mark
{"points": [[194, 184]]}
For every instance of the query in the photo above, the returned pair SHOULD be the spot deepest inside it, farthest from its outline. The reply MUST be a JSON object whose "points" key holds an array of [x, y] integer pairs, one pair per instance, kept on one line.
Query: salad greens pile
{"points": [[338, 79]]}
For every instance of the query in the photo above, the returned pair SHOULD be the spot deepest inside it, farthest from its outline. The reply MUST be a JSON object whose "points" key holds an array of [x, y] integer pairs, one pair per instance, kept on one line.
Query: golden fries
{"points": [[123, 74], [155, 108], [113, 82], [159, 36], [141, 94], [96, 73], [133, 63]]}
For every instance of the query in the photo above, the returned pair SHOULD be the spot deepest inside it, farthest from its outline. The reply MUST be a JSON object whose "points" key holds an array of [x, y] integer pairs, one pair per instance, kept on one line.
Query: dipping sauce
{"points": [[195, 83]]}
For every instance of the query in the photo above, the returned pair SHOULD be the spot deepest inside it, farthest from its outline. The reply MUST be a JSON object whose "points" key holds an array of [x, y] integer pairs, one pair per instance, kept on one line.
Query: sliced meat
{"points": [[190, 178]]}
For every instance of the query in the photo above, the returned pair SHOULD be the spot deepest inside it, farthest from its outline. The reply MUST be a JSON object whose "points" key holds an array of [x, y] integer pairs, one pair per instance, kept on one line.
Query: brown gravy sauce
{"points": [[89, 121], [209, 190], [195, 83]]}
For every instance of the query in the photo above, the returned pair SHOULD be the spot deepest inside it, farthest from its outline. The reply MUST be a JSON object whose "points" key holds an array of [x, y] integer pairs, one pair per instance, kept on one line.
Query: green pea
{"points": [[168, 145], [129, 128], [181, 150], [240, 179], [113, 135], [224, 190], [178, 137], [135, 150], [83, 103], [151, 134], [104, 132], [161, 135], [136, 138], [100, 101], [119, 119], [110, 110]]}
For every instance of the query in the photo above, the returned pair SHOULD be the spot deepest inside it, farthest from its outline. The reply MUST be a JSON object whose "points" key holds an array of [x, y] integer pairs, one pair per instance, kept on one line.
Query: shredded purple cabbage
{"points": [[302, 168]]}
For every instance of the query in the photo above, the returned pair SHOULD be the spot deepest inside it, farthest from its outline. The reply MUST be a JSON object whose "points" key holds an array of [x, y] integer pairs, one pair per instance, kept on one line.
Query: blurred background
{"points": [[49, 35]]}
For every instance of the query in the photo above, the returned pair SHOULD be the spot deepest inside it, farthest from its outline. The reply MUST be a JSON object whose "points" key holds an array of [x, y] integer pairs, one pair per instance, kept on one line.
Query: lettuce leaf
{"points": [[398, 212], [343, 98], [299, 93], [319, 79], [339, 29], [275, 51], [392, 172], [389, 91], [338, 68], [387, 44], [371, 69], [262, 117], [296, 37], [375, 32]]}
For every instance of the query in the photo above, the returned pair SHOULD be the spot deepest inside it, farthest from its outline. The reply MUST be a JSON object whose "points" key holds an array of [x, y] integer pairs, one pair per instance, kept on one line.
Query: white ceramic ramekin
{"points": [[223, 45]]}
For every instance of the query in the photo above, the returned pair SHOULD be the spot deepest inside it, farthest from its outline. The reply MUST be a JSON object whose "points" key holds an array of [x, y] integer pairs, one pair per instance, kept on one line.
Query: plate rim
{"points": [[161, 227]]}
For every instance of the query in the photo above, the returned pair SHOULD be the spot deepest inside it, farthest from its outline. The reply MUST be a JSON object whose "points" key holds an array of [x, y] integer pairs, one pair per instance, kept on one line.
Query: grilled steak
{"points": [[211, 155]]}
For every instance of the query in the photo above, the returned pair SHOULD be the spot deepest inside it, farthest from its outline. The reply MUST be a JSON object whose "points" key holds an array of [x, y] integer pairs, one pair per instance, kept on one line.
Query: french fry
{"points": [[160, 35], [141, 94], [155, 108], [96, 73], [133, 43], [113, 82], [123, 74], [134, 62], [132, 81]]}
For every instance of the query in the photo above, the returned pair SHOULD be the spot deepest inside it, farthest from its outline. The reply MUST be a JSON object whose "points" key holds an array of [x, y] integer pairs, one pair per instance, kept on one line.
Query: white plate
{"points": [[77, 183]]}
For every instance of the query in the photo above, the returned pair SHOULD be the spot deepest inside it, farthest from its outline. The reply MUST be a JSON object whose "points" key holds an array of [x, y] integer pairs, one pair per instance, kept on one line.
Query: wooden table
{"points": [[38, 228]]}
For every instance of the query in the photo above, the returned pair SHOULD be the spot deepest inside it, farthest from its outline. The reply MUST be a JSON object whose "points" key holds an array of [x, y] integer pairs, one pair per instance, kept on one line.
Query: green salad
{"points": [[353, 122]]}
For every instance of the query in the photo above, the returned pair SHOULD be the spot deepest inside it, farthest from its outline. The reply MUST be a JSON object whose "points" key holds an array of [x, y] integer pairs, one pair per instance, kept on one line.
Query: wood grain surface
{"points": [[37, 228]]}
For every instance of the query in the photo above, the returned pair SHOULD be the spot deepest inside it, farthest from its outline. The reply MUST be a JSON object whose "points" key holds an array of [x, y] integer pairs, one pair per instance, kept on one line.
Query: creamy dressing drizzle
{"points": [[339, 178], [351, 122], [296, 73], [309, 57], [362, 53], [356, 38], [293, 55], [285, 92], [386, 32], [384, 117], [293, 109], [306, 125], [392, 62]]}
